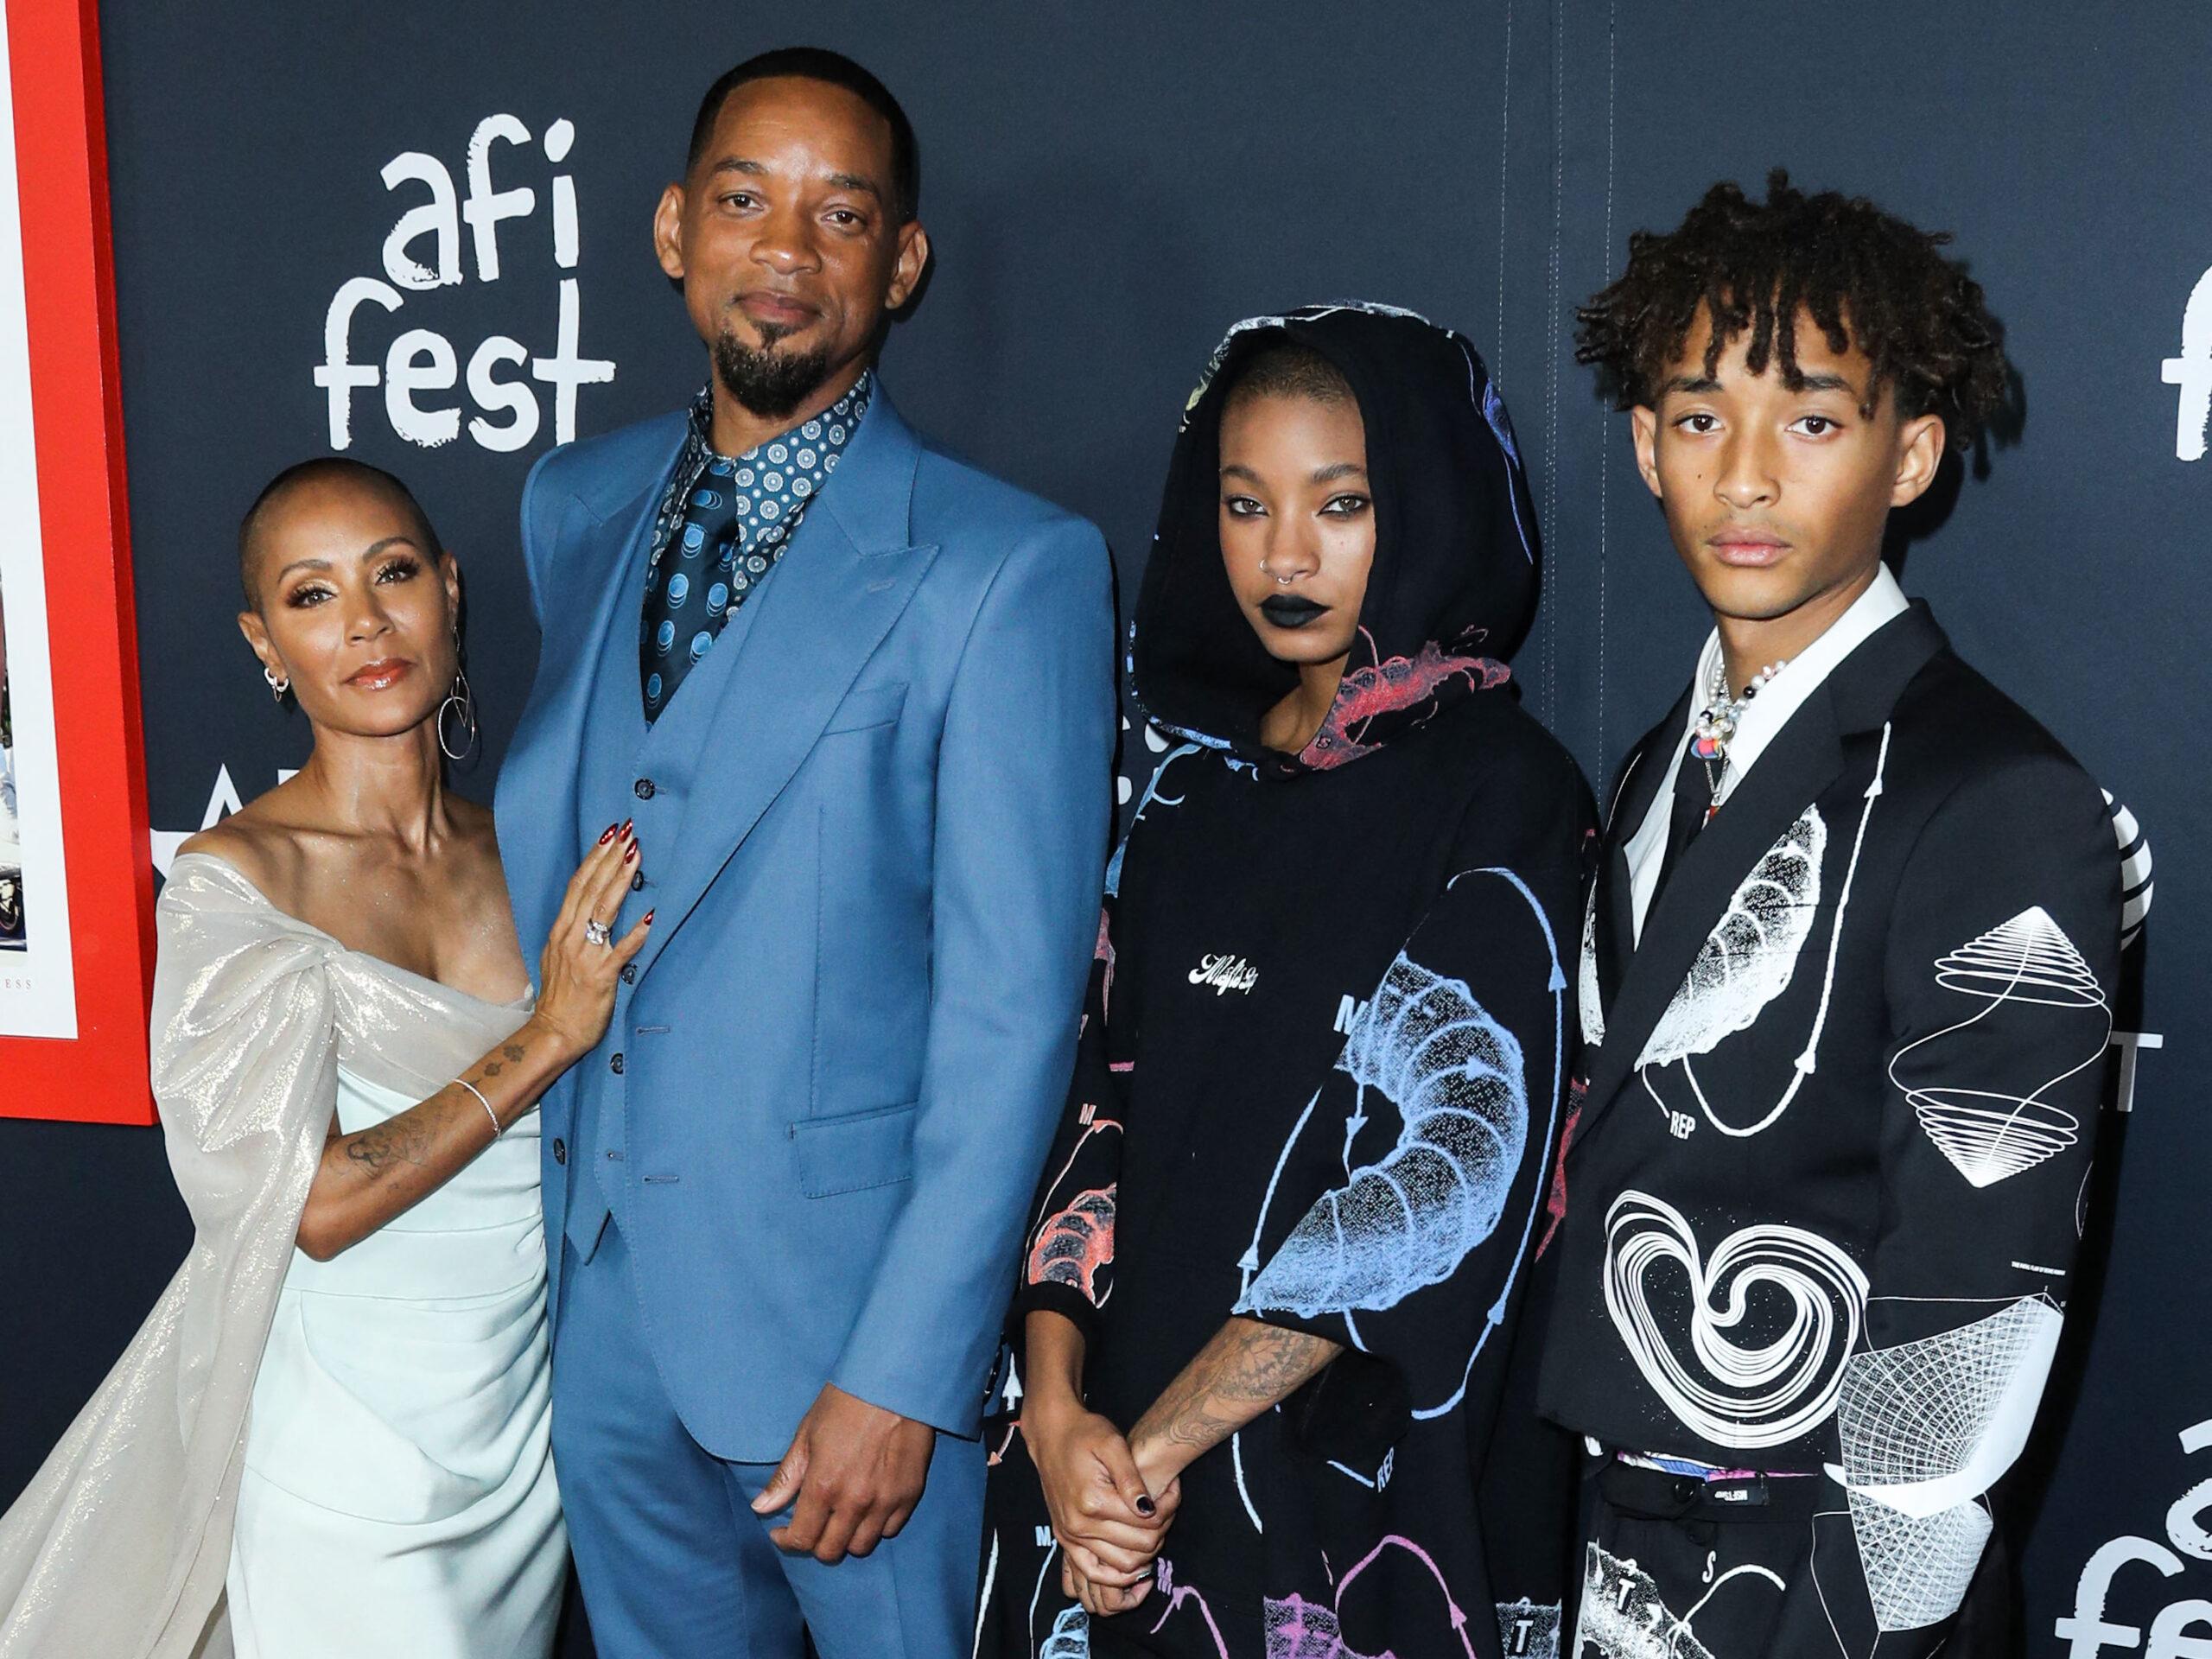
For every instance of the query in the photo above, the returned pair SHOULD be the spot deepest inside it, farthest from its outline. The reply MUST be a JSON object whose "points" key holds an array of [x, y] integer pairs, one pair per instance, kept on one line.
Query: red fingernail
{"points": [[631, 857], [626, 822], [649, 918], [607, 837]]}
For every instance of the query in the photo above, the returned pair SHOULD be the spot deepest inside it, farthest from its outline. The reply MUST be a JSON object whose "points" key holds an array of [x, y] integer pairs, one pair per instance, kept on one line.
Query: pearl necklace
{"points": [[1717, 719]]}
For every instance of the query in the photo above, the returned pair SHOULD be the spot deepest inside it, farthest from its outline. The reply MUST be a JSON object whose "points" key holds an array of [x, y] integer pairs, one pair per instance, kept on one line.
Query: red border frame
{"points": [[77, 400]]}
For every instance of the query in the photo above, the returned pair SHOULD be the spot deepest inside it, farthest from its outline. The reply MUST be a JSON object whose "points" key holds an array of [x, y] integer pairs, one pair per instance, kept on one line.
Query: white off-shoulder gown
{"points": [[301, 1459], [398, 1500]]}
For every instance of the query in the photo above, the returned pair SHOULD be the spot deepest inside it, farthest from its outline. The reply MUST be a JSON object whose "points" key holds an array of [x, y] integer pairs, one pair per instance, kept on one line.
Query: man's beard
{"points": [[766, 382]]}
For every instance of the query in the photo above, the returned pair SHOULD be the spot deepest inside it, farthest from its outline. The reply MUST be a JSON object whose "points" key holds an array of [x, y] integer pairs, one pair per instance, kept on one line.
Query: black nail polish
{"points": [[1146, 1508]]}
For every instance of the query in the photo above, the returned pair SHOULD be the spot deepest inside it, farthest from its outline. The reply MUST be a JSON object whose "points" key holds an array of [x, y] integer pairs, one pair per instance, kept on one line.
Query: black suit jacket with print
{"points": [[1821, 1203]]}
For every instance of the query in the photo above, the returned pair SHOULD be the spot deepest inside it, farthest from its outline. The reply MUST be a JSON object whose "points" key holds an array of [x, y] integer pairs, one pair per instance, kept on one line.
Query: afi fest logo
{"points": [[420, 370], [2192, 372], [2183, 1628]]}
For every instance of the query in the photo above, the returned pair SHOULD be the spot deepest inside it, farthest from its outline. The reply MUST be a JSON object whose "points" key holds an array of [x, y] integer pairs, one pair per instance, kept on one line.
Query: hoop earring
{"points": [[277, 687], [464, 699]]}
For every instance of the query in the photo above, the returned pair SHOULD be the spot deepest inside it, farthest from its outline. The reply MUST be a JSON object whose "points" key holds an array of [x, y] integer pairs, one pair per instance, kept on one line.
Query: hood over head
{"points": [[1454, 582]]}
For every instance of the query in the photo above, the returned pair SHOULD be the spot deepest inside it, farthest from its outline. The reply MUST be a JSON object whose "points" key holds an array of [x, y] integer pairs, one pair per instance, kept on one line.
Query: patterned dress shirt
{"points": [[722, 526]]}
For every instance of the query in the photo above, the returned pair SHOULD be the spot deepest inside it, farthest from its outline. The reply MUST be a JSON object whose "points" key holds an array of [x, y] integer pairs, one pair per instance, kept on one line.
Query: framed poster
{"points": [[76, 887]]}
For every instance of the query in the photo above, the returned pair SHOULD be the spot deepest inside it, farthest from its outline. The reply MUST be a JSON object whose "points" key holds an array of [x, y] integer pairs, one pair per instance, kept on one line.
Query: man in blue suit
{"points": [[857, 698]]}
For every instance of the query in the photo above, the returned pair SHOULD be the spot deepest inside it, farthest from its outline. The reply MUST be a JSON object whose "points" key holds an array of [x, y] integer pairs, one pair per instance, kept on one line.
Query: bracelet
{"points": [[496, 1130]]}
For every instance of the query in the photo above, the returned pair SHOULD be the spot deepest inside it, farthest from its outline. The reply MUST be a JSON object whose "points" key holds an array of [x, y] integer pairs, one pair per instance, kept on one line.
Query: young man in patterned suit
{"points": [[1845, 973]]}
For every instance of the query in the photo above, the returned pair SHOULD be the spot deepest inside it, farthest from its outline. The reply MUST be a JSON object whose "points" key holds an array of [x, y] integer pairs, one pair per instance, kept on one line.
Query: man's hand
{"points": [[857, 1471]]}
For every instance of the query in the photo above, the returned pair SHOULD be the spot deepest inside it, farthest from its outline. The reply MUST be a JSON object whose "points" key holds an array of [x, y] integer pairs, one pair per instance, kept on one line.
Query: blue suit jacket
{"points": [[873, 822]]}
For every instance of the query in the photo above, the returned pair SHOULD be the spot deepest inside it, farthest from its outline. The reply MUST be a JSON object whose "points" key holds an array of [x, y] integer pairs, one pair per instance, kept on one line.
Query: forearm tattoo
{"points": [[1245, 1368], [394, 1141], [407, 1139]]}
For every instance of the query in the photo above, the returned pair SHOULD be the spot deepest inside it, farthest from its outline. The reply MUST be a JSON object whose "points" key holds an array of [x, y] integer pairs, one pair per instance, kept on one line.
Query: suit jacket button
{"points": [[629, 973], [644, 789], [559, 1150], [637, 881], [615, 1065]]}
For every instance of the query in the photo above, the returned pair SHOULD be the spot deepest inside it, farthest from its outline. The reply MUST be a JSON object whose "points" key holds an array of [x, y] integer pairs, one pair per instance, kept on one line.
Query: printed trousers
{"points": [[1769, 1567]]}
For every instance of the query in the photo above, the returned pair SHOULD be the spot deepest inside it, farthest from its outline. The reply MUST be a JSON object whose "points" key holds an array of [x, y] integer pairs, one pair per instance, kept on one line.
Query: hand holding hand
{"points": [[1155, 1460], [1101, 1600], [575, 976], [1107, 1522], [856, 1471]]}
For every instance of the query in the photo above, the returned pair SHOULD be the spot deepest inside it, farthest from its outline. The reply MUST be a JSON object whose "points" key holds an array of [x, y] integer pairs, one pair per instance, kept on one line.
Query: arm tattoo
{"points": [[1245, 1368], [512, 1051], [396, 1141]]}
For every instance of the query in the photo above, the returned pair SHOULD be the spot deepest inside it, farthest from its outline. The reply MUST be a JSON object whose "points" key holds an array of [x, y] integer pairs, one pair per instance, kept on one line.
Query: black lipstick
{"points": [[1289, 611]]}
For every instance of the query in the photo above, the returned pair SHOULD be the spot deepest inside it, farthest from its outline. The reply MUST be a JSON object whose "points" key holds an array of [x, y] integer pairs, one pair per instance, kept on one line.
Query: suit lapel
{"points": [[1803, 761], [846, 580], [1641, 778]]}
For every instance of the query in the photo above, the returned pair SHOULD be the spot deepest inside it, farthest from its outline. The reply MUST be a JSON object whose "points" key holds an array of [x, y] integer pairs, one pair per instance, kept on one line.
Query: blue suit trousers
{"points": [[674, 1563]]}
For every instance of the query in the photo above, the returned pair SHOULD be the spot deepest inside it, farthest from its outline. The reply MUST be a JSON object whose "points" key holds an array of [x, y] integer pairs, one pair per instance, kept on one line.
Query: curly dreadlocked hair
{"points": [[1865, 275]]}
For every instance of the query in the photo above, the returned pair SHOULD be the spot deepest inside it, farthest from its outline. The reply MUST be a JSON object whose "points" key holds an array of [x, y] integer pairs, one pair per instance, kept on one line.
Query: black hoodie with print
{"points": [[1321, 1069]]}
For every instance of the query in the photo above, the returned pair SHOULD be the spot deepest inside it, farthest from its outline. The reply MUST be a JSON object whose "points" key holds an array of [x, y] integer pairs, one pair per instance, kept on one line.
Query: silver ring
{"points": [[596, 932]]}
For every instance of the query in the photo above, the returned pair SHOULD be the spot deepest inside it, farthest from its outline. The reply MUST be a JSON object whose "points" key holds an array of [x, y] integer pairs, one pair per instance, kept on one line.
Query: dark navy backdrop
{"points": [[1108, 188]]}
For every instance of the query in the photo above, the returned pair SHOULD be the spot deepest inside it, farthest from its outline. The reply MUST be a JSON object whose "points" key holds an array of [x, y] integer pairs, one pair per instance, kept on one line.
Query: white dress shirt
{"points": [[1763, 717]]}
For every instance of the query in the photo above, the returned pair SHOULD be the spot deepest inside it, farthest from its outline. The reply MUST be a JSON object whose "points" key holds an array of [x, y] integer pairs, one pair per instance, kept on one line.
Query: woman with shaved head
{"points": [[331, 1435]]}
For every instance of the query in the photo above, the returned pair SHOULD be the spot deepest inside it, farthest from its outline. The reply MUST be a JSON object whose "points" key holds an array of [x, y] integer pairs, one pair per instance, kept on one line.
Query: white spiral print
{"points": [[1748, 959], [1732, 1395], [1925, 1427], [2025, 972]]}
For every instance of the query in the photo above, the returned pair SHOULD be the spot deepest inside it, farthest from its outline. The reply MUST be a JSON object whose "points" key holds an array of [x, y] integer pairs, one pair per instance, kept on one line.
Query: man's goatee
{"points": [[766, 382]]}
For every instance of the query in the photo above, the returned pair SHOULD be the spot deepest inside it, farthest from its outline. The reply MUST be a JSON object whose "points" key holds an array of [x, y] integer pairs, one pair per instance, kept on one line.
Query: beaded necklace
{"points": [[1717, 719]]}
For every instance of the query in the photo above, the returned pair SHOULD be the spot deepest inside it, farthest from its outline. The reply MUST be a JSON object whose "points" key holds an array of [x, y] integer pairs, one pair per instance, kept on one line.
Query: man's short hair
{"points": [[834, 69], [1866, 278]]}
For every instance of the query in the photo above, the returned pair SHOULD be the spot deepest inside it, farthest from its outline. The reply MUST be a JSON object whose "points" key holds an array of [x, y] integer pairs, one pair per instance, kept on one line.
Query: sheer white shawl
{"points": [[119, 1546]]}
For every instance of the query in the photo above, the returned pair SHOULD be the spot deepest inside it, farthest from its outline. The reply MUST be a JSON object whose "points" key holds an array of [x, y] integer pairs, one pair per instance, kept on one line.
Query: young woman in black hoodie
{"points": [[1269, 1402]]}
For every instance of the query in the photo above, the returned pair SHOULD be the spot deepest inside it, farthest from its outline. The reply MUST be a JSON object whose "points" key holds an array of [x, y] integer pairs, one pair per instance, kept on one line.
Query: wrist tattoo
{"points": [[512, 1050]]}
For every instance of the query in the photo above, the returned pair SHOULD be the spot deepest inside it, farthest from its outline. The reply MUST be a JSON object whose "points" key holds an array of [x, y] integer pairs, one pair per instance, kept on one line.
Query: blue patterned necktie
{"points": [[722, 526]]}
